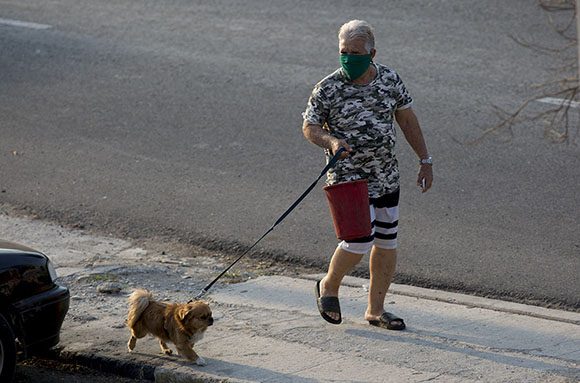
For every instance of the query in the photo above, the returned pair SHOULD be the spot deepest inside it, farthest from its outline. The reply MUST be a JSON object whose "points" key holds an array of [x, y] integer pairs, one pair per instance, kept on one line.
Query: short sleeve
{"points": [[404, 99], [317, 108]]}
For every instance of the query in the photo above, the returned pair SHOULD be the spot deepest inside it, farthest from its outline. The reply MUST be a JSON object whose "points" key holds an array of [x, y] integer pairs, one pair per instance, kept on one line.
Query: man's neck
{"points": [[367, 77]]}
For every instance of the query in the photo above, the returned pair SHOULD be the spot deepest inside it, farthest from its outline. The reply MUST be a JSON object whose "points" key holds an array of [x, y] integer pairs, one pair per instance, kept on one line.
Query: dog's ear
{"points": [[189, 310], [183, 312]]}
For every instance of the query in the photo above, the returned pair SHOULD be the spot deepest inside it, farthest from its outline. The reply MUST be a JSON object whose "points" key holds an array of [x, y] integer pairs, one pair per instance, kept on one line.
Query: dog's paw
{"points": [[131, 344], [200, 361]]}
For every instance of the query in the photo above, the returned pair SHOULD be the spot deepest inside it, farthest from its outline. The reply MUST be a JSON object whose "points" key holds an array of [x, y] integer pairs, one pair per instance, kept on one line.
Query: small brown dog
{"points": [[183, 324]]}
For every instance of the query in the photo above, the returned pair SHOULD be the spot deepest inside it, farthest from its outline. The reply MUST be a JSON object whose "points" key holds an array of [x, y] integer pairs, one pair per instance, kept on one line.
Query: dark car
{"points": [[32, 305]]}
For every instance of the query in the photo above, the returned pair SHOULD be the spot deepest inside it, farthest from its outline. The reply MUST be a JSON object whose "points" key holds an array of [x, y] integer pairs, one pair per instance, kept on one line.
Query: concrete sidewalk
{"points": [[269, 330]]}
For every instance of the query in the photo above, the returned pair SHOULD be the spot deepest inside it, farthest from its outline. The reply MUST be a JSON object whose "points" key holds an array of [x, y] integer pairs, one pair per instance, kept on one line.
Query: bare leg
{"points": [[382, 266], [341, 263]]}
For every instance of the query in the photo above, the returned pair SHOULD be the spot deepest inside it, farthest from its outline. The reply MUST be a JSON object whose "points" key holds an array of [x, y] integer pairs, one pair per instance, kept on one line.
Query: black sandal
{"points": [[389, 321], [327, 305]]}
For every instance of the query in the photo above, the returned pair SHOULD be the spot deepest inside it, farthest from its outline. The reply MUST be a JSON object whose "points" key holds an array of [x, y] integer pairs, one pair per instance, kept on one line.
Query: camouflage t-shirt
{"points": [[362, 115]]}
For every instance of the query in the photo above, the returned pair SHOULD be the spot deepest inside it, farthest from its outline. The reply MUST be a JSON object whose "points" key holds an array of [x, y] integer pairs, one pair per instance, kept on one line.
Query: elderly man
{"points": [[354, 108]]}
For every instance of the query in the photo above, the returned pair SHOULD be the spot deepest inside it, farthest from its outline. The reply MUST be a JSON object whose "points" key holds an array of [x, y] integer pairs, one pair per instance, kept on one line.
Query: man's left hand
{"points": [[425, 178]]}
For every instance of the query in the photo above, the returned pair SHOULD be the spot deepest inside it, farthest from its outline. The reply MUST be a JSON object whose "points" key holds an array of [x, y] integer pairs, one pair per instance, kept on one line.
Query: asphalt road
{"points": [[182, 118]]}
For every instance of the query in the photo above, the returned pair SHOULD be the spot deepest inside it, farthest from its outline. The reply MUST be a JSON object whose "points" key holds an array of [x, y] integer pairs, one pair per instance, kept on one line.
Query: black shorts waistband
{"points": [[387, 200]]}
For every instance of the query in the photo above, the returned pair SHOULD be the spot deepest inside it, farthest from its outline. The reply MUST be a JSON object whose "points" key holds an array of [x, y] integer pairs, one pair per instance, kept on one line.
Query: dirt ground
{"points": [[40, 370]]}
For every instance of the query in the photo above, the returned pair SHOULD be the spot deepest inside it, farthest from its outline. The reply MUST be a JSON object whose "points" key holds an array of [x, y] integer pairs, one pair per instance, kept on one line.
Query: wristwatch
{"points": [[426, 161]]}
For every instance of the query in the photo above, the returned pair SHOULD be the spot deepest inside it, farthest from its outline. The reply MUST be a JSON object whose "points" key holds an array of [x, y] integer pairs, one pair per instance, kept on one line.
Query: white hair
{"points": [[358, 29]]}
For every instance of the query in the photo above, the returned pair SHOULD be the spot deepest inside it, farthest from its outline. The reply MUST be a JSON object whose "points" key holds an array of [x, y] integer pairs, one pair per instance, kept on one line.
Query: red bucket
{"points": [[349, 207]]}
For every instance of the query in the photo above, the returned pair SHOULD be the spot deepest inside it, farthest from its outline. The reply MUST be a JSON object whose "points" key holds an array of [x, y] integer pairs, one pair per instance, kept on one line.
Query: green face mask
{"points": [[355, 66]]}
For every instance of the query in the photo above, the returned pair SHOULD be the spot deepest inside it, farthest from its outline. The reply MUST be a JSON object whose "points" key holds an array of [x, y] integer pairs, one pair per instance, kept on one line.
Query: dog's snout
{"points": [[210, 321]]}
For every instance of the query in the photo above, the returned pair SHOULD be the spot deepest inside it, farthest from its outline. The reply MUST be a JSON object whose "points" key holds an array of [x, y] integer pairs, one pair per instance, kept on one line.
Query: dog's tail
{"points": [[138, 302]]}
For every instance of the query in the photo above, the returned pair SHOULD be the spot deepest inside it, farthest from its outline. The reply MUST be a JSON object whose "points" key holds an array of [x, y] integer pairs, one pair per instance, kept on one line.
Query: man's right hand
{"points": [[337, 144]]}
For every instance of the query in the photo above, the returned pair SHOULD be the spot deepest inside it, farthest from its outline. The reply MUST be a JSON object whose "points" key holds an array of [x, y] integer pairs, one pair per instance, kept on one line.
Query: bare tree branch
{"points": [[557, 5], [564, 89], [541, 49]]}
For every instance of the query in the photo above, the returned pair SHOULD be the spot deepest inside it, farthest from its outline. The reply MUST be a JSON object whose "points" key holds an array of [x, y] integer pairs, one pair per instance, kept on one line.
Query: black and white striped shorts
{"points": [[384, 221]]}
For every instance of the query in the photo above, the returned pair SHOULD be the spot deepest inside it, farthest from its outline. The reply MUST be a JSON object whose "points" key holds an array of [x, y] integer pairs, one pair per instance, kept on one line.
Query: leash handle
{"points": [[332, 161], [330, 164]]}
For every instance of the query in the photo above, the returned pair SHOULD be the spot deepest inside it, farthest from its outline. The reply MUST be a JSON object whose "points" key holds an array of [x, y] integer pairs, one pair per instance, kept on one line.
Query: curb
{"points": [[138, 370], [127, 369]]}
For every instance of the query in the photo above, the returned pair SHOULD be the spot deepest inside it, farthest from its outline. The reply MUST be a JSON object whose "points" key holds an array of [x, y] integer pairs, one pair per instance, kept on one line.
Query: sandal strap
{"points": [[329, 304], [390, 317]]}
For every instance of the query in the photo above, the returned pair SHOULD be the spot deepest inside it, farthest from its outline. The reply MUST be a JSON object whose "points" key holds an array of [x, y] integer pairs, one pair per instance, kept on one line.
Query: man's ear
{"points": [[373, 53]]}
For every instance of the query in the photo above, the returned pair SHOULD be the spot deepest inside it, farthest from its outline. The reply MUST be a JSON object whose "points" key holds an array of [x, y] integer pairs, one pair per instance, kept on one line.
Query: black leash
{"points": [[330, 164]]}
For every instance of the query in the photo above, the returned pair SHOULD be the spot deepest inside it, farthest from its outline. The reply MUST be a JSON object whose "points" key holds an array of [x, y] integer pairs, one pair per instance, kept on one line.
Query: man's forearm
{"points": [[415, 139], [321, 137], [318, 136], [410, 126]]}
